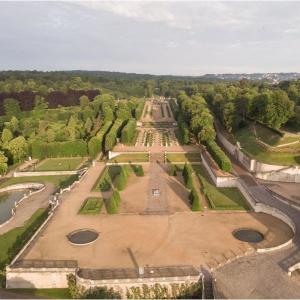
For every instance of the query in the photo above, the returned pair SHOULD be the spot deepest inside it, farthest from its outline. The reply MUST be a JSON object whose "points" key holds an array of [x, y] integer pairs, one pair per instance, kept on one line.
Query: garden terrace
{"points": [[289, 155], [138, 157], [228, 198], [58, 164], [189, 157]]}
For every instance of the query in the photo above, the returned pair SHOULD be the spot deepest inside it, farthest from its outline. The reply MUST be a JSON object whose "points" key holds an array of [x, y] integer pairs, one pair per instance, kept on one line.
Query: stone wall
{"points": [[219, 181], [38, 277], [261, 170], [289, 174], [121, 285]]}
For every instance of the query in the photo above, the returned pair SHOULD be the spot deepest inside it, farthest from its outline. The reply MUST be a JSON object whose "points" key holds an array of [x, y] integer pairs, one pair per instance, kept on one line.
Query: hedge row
{"points": [[129, 132], [59, 149], [187, 176], [95, 143], [111, 136], [121, 179], [139, 110], [219, 156], [174, 108], [183, 130], [194, 200], [113, 203]]}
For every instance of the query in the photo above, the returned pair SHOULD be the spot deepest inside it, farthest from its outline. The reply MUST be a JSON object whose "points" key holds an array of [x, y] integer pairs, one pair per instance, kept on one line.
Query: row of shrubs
{"points": [[113, 203], [174, 108], [184, 133], [59, 149], [129, 132], [113, 134], [95, 144], [219, 156], [139, 110], [187, 174]]}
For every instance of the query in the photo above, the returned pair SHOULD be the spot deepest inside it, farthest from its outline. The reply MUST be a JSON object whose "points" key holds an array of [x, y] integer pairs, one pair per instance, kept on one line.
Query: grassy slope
{"points": [[257, 151], [9, 238], [220, 198], [59, 164]]}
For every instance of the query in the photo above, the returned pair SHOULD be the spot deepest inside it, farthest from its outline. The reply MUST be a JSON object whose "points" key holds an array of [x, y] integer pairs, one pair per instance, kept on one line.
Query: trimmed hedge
{"points": [[174, 108], [95, 143], [172, 170], [138, 170], [129, 132], [111, 136], [113, 203], [139, 110], [194, 200], [183, 131], [219, 156], [59, 149]]}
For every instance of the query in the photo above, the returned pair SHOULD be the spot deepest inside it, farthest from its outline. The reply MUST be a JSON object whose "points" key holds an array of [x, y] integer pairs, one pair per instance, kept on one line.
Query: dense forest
{"points": [[48, 114]]}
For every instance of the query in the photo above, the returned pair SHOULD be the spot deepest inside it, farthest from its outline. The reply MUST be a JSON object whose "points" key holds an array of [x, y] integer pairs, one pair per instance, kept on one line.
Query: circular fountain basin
{"points": [[83, 236], [248, 235]]}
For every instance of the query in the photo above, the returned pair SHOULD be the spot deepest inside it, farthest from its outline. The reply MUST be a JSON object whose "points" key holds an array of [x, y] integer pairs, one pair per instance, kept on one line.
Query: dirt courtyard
{"points": [[150, 239], [182, 238]]}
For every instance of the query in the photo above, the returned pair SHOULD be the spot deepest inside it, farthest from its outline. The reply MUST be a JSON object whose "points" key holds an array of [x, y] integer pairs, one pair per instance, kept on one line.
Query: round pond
{"points": [[82, 236], [248, 235]]}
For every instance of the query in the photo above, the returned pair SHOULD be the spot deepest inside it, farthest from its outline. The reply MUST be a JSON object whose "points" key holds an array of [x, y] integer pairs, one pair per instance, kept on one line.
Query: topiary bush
{"points": [[113, 203], [139, 171], [172, 170], [194, 200]]}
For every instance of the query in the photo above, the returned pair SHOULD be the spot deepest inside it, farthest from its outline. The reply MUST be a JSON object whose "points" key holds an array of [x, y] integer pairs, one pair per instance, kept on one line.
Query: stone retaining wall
{"points": [[38, 277], [121, 285], [261, 170]]}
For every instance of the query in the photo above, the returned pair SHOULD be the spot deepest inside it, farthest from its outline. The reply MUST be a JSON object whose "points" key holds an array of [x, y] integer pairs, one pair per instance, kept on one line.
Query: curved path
{"points": [[262, 275], [28, 206]]}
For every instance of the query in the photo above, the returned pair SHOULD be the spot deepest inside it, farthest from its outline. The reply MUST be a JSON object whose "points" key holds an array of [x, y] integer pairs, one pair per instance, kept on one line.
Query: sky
{"points": [[172, 37]]}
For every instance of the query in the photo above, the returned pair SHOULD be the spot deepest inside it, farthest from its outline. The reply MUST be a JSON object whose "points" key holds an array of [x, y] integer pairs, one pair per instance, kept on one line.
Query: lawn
{"points": [[251, 147], [58, 181], [44, 293], [12, 241], [131, 158], [91, 206], [191, 157], [220, 198], [273, 138], [58, 164]]}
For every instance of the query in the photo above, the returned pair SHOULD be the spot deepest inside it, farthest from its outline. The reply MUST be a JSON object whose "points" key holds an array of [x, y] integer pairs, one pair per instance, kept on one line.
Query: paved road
{"points": [[262, 275]]}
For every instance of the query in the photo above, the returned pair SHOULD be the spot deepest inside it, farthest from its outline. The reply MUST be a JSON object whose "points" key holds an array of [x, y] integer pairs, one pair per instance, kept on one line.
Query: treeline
{"points": [[196, 115], [83, 130], [234, 105]]}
